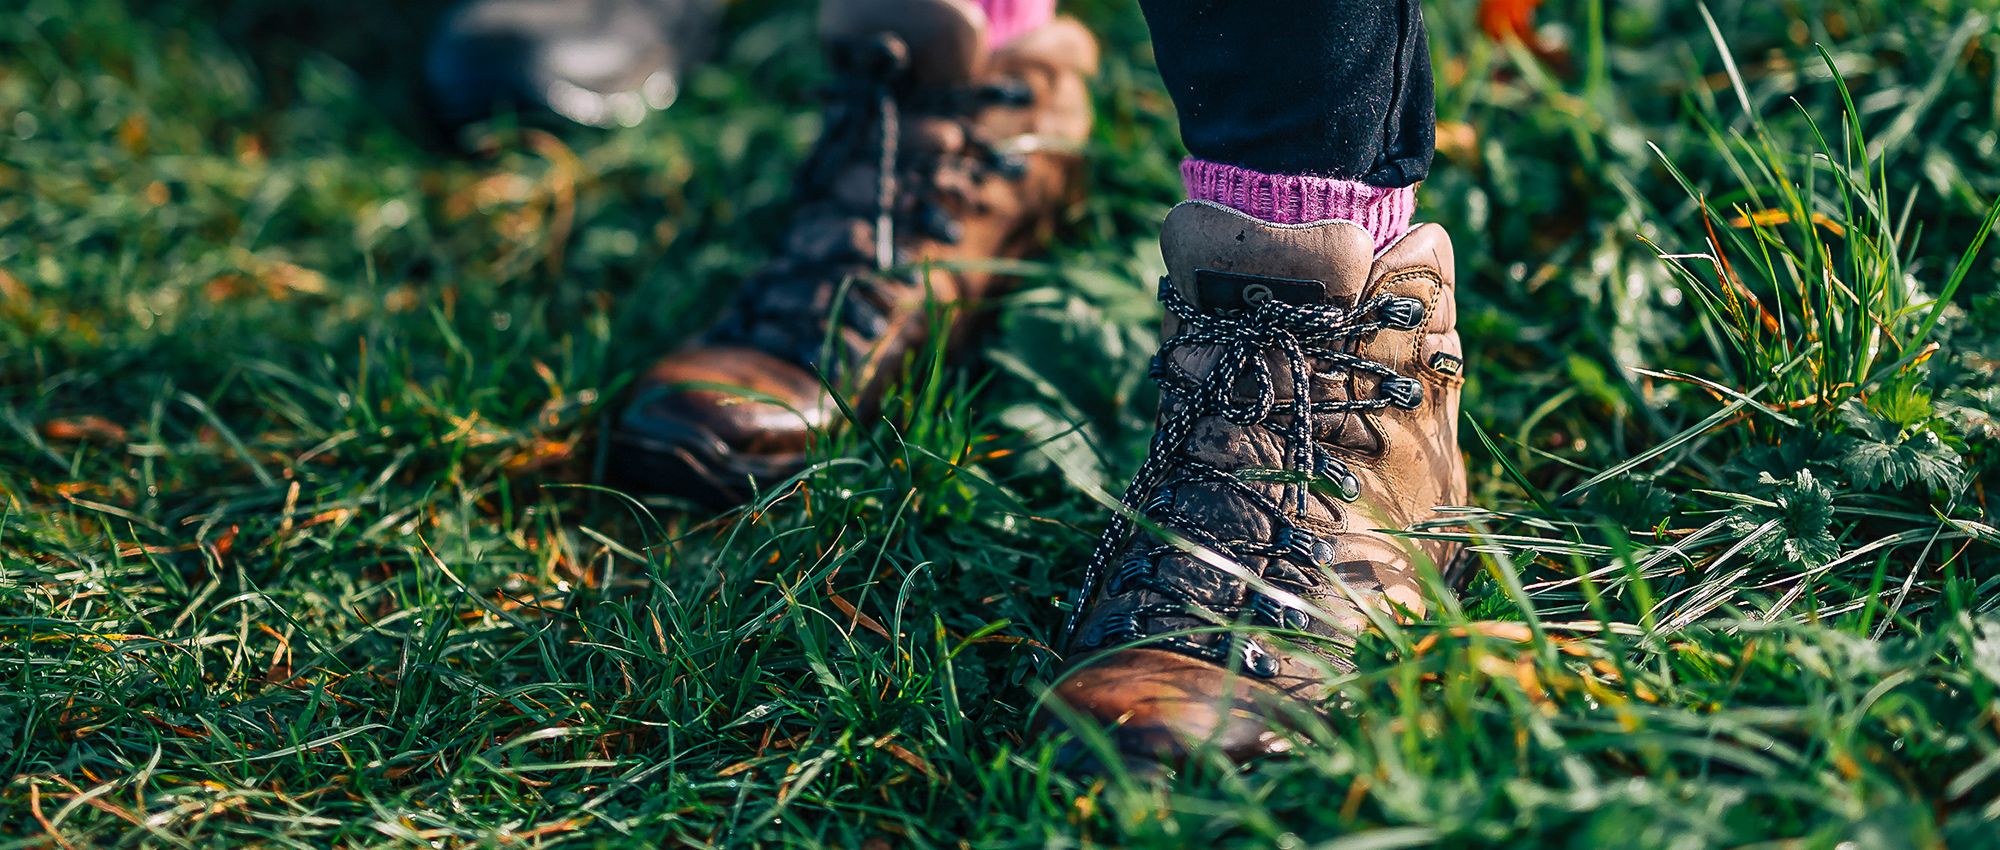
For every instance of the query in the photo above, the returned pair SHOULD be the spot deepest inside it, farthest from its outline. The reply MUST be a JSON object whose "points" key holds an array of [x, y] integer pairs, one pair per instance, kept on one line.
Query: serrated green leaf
{"points": [[1803, 507]]}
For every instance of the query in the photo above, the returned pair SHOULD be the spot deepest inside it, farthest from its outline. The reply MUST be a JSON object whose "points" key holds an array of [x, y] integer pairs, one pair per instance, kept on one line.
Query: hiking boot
{"points": [[1296, 488], [981, 148]]}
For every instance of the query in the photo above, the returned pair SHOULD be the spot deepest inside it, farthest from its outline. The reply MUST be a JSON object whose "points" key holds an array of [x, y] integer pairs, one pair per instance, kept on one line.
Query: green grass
{"points": [[300, 543]]}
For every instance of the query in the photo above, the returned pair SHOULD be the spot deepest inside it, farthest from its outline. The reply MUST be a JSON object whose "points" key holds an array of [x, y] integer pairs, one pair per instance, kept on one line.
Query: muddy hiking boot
{"points": [[938, 155], [1309, 401]]}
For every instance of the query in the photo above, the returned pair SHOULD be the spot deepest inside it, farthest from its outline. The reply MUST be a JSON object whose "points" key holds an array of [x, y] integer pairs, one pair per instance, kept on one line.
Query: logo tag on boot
{"points": [[1238, 291], [1447, 365]]}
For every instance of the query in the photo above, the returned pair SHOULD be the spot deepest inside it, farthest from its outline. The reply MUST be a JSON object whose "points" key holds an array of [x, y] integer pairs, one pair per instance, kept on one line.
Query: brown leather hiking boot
{"points": [[1289, 487], [937, 154]]}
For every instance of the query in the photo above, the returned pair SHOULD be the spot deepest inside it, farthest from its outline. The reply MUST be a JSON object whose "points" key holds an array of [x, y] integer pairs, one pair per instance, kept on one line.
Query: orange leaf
{"points": [[92, 428], [1508, 19], [854, 615], [1767, 218], [1458, 141], [903, 755]]}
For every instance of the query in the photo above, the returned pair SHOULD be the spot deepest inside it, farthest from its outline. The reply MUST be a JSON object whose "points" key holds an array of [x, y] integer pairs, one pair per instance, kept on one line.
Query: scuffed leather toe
{"points": [[708, 423], [1163, 705]]}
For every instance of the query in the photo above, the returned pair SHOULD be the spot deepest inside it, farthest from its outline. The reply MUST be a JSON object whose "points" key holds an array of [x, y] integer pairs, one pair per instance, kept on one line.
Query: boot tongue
{"points": [[1221, 259], [946, 39]]}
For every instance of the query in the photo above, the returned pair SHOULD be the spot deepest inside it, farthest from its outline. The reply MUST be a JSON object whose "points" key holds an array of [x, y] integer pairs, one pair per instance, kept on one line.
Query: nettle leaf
{"points": [[1632, 502], [1860, 421], [1903, 401], [1879, 455], [1803, 507], [1800, 450]]}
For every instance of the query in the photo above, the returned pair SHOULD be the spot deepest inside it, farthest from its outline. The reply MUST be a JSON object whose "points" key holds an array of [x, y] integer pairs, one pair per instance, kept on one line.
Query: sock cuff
{"points": [[1302, 198], [1006, 19]]}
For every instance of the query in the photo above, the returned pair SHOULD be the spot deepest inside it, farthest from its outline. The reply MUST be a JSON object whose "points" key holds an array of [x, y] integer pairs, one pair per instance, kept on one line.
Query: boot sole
{"points": [[683, 460]]}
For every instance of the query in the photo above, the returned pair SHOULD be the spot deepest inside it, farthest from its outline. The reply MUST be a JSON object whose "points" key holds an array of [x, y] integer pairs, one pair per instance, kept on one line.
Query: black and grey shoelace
{"points": [[1308, 339], [868, 109]]}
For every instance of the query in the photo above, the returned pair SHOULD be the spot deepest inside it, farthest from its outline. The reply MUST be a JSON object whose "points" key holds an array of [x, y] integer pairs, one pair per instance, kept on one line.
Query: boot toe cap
{"points": [[1162, 705], [707, 423]]}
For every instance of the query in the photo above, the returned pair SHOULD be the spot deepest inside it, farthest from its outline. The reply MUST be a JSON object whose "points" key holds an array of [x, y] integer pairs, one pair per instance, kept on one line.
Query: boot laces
{"points": [[1304, 339], [867, 104]]}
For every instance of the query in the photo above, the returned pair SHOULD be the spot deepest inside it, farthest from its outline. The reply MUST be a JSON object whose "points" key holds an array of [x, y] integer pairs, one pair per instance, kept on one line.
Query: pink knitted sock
{"points": [[1006, 19], [1302, 199]]}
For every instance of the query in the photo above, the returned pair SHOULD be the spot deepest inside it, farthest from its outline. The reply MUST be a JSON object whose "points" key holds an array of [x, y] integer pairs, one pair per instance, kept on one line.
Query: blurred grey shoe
{"points": [[605, 63]]}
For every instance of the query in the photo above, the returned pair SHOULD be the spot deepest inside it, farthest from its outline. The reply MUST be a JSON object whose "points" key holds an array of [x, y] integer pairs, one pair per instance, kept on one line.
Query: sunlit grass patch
{"points": [[303, 543]]}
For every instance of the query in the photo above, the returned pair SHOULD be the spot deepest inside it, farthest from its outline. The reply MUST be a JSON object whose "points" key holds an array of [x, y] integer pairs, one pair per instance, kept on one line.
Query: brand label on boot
{"points": [[1238, 291]]}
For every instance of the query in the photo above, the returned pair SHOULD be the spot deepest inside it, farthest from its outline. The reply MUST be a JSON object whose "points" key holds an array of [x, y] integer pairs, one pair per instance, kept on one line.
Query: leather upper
{"points": [[1303, 516], [985, 146]]}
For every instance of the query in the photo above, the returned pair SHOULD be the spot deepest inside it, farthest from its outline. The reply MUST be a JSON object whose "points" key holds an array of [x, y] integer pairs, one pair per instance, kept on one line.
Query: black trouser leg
{"points": [[1332, 88]]}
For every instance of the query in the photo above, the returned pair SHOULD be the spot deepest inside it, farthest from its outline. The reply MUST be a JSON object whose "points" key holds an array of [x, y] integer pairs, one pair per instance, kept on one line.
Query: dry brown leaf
{"points": [[904, 755], [1769, 218], [96, 429], [854, 615]]}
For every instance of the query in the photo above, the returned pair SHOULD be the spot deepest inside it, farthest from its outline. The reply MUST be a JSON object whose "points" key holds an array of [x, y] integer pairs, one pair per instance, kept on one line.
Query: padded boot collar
{"points": [[946, 38], [1202, 236]]}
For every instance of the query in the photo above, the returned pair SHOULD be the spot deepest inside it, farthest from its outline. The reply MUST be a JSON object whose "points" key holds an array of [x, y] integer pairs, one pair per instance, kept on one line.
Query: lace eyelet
{"points": [[938, 224], [1402, 313], [884, 55], [1010, 166], [1257, 661], [1345, 484], [1279, 614], [1306, 549], [1123, 628], [1134, 568], [1406, 393]]}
